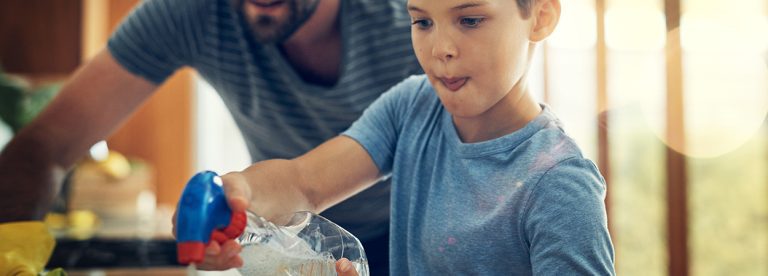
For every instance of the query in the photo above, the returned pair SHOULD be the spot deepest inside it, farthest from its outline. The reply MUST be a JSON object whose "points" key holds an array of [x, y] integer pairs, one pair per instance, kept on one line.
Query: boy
{"points": [[484, 180]]}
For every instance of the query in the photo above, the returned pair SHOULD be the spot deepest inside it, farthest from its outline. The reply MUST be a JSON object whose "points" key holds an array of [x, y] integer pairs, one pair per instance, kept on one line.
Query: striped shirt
{"points": [[279, 114]]}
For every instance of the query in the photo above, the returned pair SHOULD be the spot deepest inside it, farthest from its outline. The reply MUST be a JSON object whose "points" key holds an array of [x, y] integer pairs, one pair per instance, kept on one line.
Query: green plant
{"points": [[20, 102]]}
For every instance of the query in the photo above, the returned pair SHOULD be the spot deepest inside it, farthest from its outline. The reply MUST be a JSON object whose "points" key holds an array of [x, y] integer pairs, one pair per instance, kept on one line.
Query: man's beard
{"points": [[269, 29]]}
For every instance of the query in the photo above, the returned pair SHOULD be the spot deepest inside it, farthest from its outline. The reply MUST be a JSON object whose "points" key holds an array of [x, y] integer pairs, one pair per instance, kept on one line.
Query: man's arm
{"points": [[90, 106]]}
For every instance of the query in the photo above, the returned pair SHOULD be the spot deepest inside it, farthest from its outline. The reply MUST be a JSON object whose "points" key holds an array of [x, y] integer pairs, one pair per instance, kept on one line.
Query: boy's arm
{"points": [[333, 171], [88, 108], [324, 176], [277, 188]]}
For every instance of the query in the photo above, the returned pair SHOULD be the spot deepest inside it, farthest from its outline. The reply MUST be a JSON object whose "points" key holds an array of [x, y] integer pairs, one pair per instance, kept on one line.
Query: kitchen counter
{"points": [[105, 253], [119, 243]]}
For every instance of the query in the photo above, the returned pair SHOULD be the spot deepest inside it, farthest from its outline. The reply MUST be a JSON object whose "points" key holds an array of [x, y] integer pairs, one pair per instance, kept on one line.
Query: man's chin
{"points": [[274, 24], [266, 29], [266, 38]]}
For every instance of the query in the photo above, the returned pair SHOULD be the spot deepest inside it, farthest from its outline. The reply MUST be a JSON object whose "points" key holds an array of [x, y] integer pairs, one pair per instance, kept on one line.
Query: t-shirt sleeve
{"points": [[565, 223], [155, 39], [378, 129]]}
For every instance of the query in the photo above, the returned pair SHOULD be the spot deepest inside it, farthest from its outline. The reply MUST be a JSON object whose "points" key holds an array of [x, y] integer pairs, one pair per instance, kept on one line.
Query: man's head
{"points": [[274, 21], [476, 52]]}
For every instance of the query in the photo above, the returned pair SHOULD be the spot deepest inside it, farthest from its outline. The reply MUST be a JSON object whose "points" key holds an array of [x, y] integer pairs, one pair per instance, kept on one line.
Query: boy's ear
{"points": [[545, 15]]}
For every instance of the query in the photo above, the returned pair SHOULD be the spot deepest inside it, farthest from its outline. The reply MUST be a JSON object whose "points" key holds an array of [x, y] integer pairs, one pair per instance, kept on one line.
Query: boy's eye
{"points": [[422, 23], [471, 21]]}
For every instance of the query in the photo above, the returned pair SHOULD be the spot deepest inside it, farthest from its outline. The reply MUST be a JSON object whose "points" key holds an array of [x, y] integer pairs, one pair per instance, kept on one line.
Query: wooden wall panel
{"points": [[40, 37]]}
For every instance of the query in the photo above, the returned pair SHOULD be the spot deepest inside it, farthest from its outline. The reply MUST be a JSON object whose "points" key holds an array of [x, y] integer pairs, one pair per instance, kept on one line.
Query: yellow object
{"points": [[24, 247], [82, 219], [115, 165], [78, 224], [55, 221], [82, 224], [56, 272]]}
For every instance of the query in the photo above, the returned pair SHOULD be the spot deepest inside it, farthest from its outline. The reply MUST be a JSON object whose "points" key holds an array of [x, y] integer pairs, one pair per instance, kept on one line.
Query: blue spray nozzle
{"points": [[203, 214]]}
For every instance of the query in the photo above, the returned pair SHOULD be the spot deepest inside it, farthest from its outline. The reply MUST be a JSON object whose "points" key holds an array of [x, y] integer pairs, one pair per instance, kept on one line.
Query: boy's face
{"points": [[473, 51], [274, 21]]}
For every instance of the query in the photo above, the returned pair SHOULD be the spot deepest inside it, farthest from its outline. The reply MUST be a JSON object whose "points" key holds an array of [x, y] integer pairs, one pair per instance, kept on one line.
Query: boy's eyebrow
{"points": [[414, 8], [469, 5], [456, 8]]}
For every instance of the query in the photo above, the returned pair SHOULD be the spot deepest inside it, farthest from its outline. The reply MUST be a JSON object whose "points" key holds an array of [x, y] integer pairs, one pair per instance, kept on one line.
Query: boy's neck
{"points": [[510, 114]]}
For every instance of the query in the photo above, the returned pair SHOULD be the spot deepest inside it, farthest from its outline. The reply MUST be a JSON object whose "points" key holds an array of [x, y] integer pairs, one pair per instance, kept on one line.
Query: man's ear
{"points": [[545, 15]]}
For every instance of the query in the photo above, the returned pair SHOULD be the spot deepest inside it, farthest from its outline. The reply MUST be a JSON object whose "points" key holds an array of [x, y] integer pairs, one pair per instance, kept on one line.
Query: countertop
{"points": [[119, 243]]}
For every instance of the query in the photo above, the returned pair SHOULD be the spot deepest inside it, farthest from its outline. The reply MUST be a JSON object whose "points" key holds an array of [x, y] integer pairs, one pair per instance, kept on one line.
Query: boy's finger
{"points": [[237, 191], [220, 256], [344, 268], [235, 262], [230, 248], [212, 249]]}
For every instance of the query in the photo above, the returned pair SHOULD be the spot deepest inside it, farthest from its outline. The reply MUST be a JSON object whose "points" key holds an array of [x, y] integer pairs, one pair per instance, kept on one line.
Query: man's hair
{"points": [[525, 7]]}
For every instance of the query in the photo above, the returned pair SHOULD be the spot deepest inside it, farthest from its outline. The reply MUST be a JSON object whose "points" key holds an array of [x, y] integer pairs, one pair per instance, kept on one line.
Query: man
{"points": [[293, 73]]}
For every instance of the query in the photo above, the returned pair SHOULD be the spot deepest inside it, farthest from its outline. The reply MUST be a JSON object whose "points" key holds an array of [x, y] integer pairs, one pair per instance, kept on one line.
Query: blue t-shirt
{"points": [[524, 203]]}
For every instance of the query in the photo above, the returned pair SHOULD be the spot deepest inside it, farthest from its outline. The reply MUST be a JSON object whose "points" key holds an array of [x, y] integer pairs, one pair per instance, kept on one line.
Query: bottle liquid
{"points": [[308, 244]]}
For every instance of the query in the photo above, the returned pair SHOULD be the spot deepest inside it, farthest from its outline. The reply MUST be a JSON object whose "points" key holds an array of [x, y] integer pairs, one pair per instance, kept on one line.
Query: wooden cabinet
{"points": [[42, 38]]}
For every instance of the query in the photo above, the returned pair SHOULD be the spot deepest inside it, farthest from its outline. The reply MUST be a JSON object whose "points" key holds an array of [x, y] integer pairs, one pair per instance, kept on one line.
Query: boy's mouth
{"points": [[453, 84]]}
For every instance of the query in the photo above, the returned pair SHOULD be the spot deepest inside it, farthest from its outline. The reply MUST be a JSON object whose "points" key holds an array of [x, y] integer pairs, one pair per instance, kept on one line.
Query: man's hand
{"points": [[92, 103]]}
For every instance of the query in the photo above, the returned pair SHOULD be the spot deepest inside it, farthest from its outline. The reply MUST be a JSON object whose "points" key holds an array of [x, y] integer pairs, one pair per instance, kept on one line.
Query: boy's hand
{"points": [[218, 256], [344, 268], [221, 256], [225, 256], [237, 191]]}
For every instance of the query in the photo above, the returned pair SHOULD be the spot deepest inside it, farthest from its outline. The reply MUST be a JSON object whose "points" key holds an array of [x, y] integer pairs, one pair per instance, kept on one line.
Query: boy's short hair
{"points": [[525, 7]]}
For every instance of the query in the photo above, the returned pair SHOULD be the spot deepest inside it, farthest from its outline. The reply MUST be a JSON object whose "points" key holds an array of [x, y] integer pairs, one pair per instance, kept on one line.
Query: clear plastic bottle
{"points": [[307, 244]]}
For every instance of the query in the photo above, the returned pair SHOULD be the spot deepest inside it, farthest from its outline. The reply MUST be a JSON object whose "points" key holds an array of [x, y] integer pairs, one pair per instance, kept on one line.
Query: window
{"points": [[722, 81], [725, 81], [219, 145]]}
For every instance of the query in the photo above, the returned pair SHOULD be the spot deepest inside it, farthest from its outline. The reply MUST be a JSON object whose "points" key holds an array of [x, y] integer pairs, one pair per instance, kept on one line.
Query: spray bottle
{"points": [[308, 244], [203, 215]]}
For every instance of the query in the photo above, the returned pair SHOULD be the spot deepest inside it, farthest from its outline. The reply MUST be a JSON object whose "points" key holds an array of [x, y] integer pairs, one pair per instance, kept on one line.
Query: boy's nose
{"points": [[444, 53], [444, 49]]}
